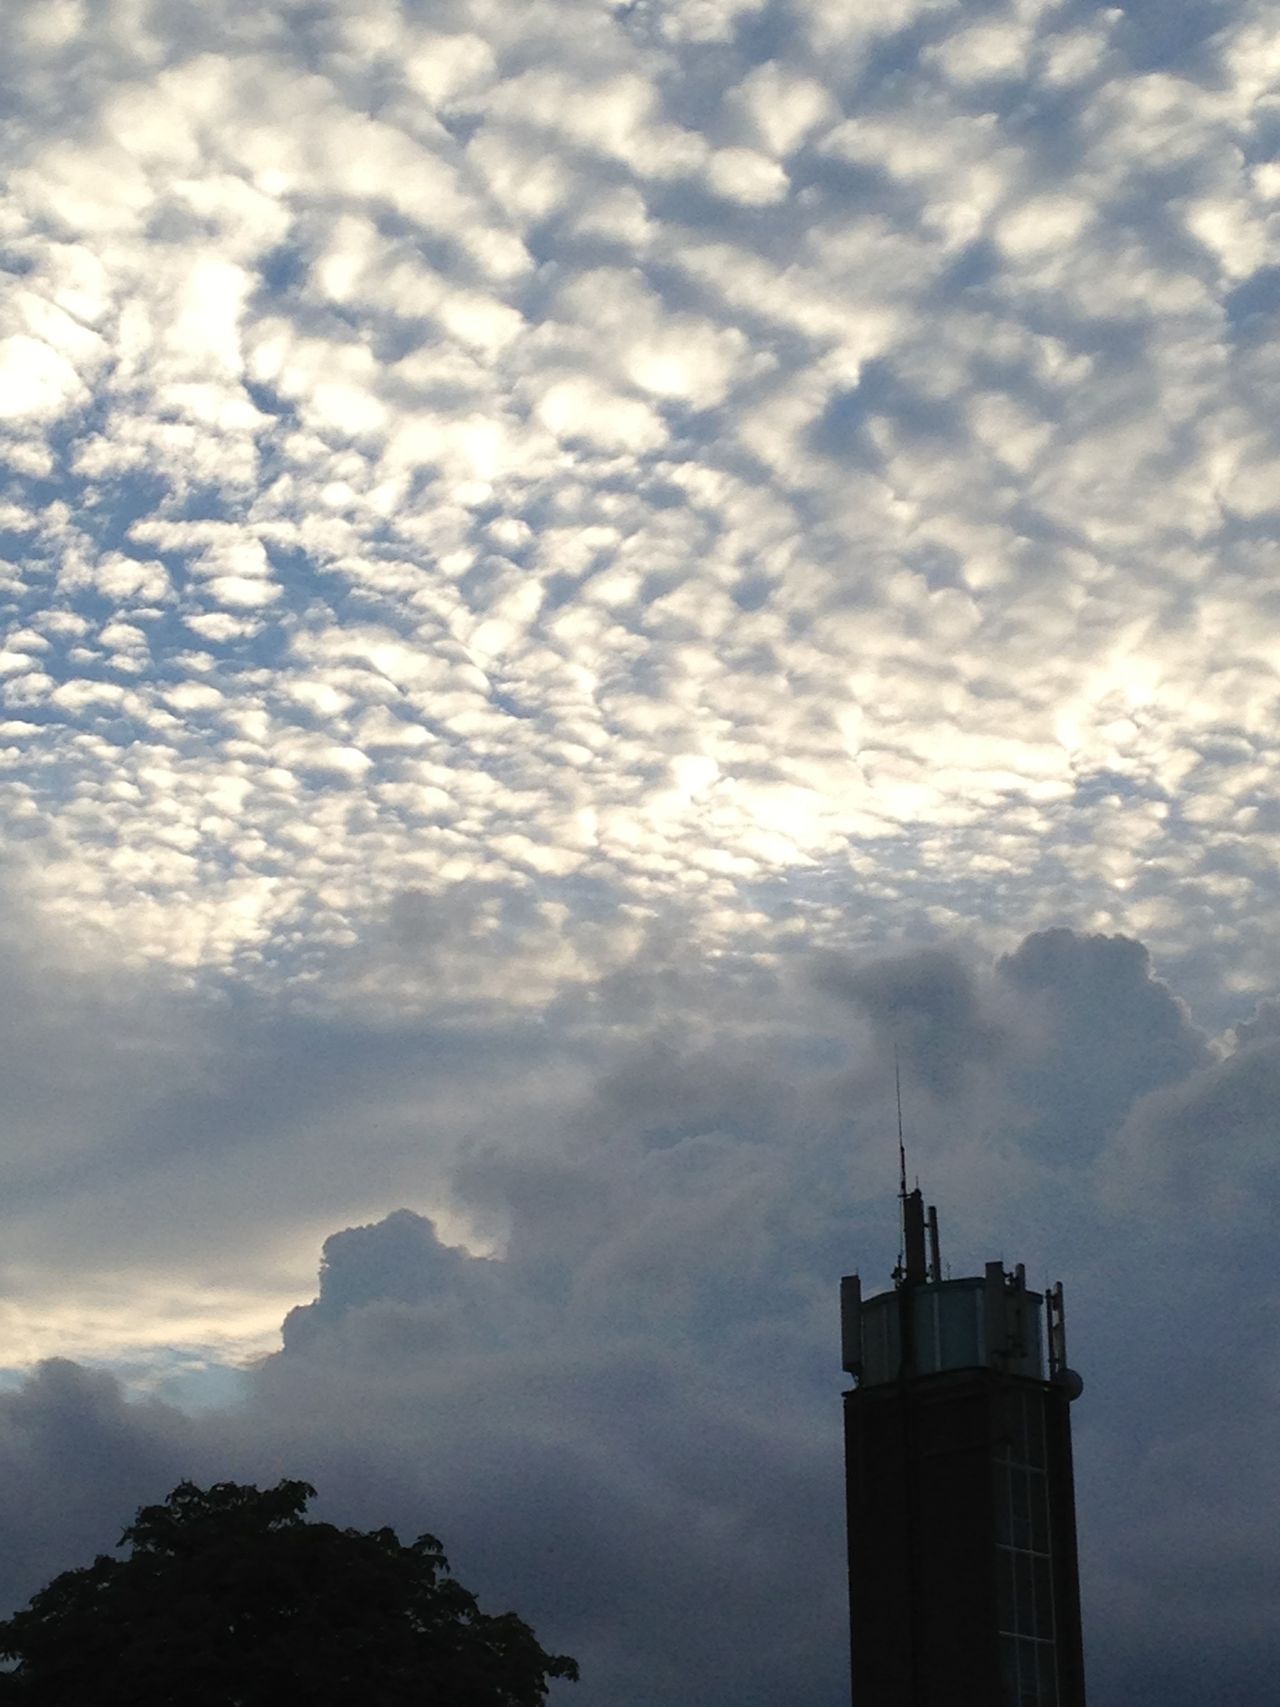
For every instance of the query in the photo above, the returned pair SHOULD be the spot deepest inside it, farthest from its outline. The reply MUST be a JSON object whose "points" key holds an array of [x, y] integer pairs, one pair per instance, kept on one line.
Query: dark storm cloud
{"points": [[1265, 1023], [400, 1263], [927, 1005], [625, 1422], [75, 1461], [149, 1127], [1075, 1027], [1100, 1031], [1207, 1148]]}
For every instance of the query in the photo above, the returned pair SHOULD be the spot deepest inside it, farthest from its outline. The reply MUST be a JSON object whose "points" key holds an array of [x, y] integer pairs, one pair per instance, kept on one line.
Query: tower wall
{"points": [[962, 1551]]}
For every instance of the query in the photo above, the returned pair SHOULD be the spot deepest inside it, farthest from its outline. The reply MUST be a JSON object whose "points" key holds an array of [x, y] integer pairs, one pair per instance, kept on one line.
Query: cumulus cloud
{"points": [[1205, 1151], [928, 1005], [76, 1454], [620, 1320], [1110, 1032]]}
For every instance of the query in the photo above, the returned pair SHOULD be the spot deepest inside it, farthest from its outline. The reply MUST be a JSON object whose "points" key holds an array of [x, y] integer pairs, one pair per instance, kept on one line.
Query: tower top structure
{"points": [[929, 1324], [963, 1579]]}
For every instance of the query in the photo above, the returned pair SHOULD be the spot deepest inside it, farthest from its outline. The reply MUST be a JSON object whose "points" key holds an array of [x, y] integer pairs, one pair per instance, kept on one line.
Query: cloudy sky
{"points": [[571, 575]]}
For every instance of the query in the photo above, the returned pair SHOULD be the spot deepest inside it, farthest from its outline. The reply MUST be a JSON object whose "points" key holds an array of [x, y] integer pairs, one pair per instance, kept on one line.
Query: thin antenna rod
{"points": [[900, 1272], [902, 1150]]}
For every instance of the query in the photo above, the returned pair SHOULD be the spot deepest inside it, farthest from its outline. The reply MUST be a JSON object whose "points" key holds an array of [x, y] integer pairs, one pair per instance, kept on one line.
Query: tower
{"points": [[963, 1582]]}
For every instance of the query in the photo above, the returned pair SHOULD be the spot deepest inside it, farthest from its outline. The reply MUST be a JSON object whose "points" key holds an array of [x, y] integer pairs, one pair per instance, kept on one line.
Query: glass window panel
{"points": [[1023, 1594], [1021, 1502], [1009, 1669], [1028, 1675], [1039, 1500], [1048, 1658], [1005, 1614], [1035, 1434], [1004, 1505], [1043, 1579], [1013, 1427], [1000, 1418]]}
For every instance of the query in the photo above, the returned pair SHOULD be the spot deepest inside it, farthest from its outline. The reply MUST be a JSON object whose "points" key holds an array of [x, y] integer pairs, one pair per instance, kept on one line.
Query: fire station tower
{"points": [[963, 1583]]}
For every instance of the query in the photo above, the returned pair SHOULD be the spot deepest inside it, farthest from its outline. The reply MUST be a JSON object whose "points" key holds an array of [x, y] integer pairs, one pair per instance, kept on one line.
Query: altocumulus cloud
{"points": [[626, 458], [570, 575]]}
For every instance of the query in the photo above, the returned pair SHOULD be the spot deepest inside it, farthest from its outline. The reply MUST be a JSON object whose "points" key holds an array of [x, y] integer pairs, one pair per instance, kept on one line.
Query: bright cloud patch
{"points": [[648, 416], [35, 379]]}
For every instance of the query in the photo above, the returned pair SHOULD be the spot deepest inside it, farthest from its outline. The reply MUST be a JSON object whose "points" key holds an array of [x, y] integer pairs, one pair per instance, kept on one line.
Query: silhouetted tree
{"points": [[231, 1598]]}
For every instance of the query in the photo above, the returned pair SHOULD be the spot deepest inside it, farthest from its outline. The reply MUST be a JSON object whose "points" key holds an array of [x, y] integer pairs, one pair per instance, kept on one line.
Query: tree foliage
{"points": [[229, 1597]]}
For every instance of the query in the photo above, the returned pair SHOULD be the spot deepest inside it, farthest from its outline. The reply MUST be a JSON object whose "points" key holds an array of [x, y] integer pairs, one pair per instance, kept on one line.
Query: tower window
{"points": [[1024, 1566]]}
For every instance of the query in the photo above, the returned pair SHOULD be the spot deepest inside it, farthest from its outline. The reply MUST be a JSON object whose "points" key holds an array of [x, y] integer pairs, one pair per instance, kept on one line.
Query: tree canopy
{"points": [[230, 1597]]}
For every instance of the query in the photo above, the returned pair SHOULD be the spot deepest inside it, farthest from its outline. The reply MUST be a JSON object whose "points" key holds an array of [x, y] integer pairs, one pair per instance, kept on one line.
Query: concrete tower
{"points": [[963, 1584]]}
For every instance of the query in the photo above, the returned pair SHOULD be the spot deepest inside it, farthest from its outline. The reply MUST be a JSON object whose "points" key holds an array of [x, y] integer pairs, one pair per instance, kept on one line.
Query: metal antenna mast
{"points": [[902, 1171], [902, 1150]]}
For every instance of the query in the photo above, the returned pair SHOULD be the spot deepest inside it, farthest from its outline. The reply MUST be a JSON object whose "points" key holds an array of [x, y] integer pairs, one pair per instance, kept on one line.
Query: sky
{"points": [[572, 576]]}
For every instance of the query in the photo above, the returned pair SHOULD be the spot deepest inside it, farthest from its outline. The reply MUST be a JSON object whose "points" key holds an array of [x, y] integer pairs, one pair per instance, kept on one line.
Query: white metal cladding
{"points": [[955, 1324], [880, 1339]]}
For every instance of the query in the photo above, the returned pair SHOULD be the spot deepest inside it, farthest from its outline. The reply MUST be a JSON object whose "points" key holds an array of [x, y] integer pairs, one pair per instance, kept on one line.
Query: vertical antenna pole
{"points": [[935, 1253], [902, 1150], [899, 1273]]}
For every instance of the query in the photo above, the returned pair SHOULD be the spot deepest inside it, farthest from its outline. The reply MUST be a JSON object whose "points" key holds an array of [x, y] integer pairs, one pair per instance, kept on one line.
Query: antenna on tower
{"points": [[912, 1269], [902, 1149], [900, 1271]]}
